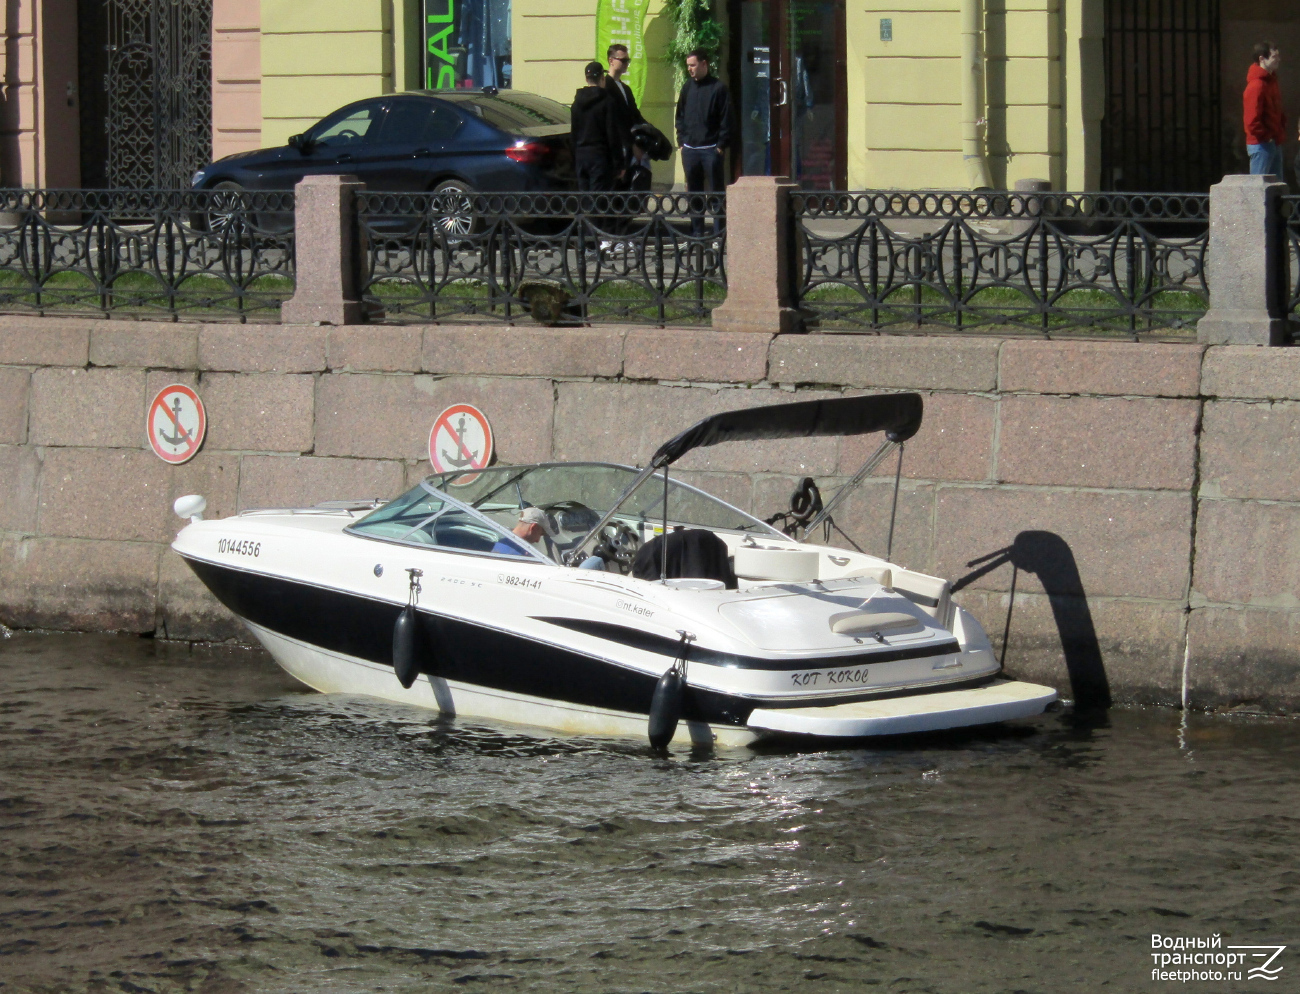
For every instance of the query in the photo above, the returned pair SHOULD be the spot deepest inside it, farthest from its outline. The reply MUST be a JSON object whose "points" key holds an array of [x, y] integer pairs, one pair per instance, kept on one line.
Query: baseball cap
{"points": [[536, 516]]}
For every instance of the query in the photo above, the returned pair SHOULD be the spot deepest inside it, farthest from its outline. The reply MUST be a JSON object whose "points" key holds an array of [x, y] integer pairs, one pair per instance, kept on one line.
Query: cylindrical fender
{"points": [[406, 646], [666, 708]]}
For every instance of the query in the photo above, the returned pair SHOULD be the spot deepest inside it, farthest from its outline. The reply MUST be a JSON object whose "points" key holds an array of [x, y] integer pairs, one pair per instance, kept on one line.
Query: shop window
{"points": [[466, 44]]}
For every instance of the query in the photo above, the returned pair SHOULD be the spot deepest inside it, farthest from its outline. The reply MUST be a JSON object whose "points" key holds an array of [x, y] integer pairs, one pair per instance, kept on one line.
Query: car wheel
{"points": [[224, 207], [453, 208]]}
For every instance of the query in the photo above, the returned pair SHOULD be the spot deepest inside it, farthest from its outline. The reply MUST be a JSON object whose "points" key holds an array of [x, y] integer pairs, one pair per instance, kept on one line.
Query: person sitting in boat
{"points": [[532, 526]]}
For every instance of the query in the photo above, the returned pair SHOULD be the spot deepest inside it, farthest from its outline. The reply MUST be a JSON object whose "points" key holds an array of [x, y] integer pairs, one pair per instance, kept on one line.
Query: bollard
{"points": [[1245, 264], [760, 258], [325, 225]]}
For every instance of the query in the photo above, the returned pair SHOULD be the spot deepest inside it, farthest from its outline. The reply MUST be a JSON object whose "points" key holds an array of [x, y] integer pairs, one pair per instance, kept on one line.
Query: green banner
{"points": [[623, 22]]}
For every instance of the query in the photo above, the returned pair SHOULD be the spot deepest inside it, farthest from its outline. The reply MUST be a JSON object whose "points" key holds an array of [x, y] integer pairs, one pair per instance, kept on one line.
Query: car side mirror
{"points": [[301, 142]]}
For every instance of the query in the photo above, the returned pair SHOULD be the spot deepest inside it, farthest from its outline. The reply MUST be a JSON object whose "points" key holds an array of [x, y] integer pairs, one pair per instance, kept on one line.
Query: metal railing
{"points": [[1050, 264], [563, 258], [1291, 217], [202, 255]]}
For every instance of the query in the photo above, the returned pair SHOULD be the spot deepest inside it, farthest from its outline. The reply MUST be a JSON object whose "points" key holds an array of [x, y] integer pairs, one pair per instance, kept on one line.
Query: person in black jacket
{"points": [[705, 127], [597, 146], [629, 115]]}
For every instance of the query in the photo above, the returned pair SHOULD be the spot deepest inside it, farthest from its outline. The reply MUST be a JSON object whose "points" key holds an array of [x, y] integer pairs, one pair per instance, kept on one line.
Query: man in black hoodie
{"points": [[705, 126], [597, 146]]}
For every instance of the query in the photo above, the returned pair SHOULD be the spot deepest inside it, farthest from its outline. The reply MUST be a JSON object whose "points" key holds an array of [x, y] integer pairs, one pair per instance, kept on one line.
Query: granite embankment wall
{"points": [[1142, 501]]}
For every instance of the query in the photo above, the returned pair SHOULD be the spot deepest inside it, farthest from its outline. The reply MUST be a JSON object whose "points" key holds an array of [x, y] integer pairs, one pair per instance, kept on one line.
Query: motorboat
{"points": [[605, 599]]}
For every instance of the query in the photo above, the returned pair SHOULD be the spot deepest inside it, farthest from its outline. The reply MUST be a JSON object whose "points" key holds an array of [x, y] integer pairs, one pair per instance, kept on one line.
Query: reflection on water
{"points": [[179, 819]]}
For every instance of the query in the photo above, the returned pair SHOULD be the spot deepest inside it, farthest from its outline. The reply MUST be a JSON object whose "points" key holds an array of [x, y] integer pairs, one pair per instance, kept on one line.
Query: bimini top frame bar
{"points": [[898, 415]]}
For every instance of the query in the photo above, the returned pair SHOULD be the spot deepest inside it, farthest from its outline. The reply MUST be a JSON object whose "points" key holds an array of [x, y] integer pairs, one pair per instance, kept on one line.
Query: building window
{"points": [[466, 44]]}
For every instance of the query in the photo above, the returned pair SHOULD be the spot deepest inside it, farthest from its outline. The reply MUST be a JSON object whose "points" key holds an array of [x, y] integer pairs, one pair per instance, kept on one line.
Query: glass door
{"points": [[789, 56]]}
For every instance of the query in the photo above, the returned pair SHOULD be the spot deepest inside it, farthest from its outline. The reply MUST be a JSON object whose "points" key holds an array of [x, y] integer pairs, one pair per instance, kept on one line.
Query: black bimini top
{"points": [[898, 415]]}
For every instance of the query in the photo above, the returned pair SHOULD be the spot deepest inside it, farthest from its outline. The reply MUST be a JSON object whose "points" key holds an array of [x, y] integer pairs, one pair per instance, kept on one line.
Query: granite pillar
{"points": [[325, 223], [760, 257], [1246, 264]]}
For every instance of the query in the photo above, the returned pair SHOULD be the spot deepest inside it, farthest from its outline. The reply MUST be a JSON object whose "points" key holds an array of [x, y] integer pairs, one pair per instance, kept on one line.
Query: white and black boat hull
{"points": [[342, 642]]}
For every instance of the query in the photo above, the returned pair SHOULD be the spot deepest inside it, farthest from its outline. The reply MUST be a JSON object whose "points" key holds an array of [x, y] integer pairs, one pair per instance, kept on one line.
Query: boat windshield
{"points": [[574, 497], [423, 516]]}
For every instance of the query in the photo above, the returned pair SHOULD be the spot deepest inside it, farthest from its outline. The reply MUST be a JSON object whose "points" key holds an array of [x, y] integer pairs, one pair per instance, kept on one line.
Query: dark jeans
{"points": [[593, 169], [704, 174]]}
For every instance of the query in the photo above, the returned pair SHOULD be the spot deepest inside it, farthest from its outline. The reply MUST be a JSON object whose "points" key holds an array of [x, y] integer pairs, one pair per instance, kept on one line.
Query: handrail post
{"points": [[761, 257], [1246, 264], [326, 258]]}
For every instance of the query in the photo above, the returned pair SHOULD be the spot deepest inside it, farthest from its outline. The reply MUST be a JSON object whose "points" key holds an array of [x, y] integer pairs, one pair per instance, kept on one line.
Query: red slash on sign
{"points": [[461, 439], [176, 424]]}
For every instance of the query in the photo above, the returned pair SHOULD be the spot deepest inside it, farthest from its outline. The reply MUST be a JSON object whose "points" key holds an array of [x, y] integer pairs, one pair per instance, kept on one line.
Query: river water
{"points": [[190, 819]]}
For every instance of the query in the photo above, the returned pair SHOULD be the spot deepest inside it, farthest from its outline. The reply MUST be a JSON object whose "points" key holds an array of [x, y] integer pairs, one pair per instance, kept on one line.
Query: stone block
{"points": [[156, 379], [1248, 553], [144, 344], [1101, 368], [14, 389], [1066, 543], [20, 471], [699, 356], [1142, 444], [1251, 373], [78, 584], [955, 442], [1086, 646], [188, 611], [920, 363], [88, 407], [39, 341], [262, 348], [266, 412], [626, 423], [493, 350], [374, 416], [301, 481], [1244, 659], [375, 348], [1249, 450], [127, 494]]}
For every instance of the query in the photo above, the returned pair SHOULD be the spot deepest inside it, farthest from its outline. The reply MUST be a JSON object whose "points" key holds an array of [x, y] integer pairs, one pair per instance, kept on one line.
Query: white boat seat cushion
{"points": [[869, 622]]}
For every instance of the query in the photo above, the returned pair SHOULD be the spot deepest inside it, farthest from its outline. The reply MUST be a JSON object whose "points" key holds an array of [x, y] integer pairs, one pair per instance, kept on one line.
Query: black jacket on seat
{"points": [[692, 552]]}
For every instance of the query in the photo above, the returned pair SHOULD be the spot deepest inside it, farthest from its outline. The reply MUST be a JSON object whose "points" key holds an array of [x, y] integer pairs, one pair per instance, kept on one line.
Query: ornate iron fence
{"points": [[1291, 215], [562, 258], [199, 254], [1042, 263]]}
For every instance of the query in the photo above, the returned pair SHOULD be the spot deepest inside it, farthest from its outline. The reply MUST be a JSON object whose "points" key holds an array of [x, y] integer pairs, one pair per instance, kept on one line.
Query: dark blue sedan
{"points": [[444, 141]]}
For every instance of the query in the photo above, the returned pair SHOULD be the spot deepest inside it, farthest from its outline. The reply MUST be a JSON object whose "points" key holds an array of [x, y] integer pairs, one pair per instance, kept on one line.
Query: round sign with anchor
{"points": [[461, 439], [176, 424]]}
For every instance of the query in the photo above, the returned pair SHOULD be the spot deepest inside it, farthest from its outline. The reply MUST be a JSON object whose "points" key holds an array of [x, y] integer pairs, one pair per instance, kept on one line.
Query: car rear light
{"points": [[529, 153]]}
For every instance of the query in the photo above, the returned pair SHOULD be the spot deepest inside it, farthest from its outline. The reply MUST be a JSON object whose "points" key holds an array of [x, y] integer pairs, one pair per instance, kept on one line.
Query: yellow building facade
{"points": [[856, 94]]}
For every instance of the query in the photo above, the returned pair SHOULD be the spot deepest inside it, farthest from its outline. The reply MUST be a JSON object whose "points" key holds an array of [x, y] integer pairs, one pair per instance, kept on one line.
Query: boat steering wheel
{"points": [[618, 544]]}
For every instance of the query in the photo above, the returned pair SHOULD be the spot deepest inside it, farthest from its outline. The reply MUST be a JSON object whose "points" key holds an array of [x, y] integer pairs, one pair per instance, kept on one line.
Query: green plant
{"points": [[693, 27]]}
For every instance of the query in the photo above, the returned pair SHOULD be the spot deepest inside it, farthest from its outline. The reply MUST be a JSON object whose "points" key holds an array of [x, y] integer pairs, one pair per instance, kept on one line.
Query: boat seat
{"points": [[692, 552]]}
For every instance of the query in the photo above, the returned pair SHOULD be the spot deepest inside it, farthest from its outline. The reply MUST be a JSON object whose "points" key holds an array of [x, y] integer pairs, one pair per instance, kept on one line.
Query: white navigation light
{"points": [[190, 506]]}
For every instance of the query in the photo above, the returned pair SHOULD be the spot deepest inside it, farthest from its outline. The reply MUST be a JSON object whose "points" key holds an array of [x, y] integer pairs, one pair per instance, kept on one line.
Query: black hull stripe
{"points": [[637, 639], [353, 625], [459, 650]]}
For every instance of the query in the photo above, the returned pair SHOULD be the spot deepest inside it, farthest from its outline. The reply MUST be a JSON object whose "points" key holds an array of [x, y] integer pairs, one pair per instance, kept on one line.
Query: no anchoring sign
{"points": [[461, 439], [176, 424]]}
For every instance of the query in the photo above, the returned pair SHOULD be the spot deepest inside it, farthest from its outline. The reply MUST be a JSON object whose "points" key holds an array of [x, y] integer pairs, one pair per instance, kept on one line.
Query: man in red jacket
{"points": [[1262, 110]]}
